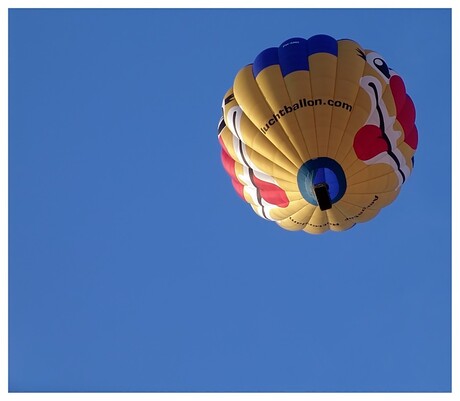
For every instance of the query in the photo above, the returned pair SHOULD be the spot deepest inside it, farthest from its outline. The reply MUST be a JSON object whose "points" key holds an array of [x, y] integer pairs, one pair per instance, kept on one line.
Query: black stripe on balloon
{"points": [[361, 53], [384, 135], [229, 98], [251, 171], [221, 126]]}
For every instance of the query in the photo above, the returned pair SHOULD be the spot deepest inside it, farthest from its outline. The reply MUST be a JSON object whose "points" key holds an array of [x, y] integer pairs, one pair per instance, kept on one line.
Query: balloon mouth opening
{"points": [[322, 182]]}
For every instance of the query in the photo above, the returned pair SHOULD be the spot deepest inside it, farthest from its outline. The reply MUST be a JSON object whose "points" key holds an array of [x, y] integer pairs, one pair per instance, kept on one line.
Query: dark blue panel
{"points": [[332, 182], [265, 59], [319, 176], [322, 44], [293, 55]]}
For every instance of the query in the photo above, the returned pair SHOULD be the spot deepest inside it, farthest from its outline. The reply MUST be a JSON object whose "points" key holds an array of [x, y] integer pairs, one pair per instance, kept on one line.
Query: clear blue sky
{"points": [[133, 264]]}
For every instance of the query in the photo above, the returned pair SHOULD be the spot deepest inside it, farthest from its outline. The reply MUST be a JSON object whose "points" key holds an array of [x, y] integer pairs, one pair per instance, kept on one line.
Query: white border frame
{"points": [[210, 4]]}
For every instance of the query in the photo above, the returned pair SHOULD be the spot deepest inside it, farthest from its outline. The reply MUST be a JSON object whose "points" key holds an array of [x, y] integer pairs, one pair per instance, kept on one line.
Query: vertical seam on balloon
{"points": [[351, 188], [277, 178], [252, 122], [298, 125], [274, 112], [317, 210], [334, 209], [314, 107], [295, 115], [333, 109], [316, 131], [250, 147], [298, 211], [349, 117], [284, 213], [271, 142]]}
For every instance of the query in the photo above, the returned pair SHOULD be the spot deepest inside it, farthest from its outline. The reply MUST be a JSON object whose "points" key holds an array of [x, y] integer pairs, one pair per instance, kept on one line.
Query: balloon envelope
{"points": [[318, 134]]}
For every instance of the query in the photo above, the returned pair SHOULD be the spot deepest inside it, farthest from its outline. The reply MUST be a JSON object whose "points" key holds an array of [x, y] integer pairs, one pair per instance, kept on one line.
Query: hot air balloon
{"points": [[318, 134]]}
